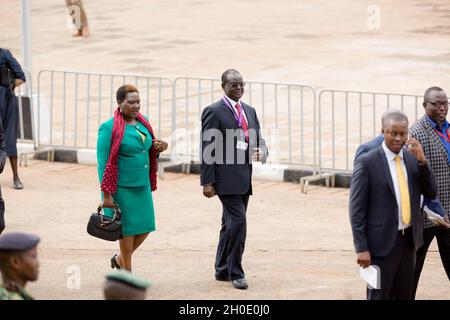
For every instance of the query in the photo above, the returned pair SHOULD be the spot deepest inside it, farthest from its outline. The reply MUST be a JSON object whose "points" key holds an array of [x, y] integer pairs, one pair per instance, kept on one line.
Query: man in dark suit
{"points": [[231, 140], [385, 208]]}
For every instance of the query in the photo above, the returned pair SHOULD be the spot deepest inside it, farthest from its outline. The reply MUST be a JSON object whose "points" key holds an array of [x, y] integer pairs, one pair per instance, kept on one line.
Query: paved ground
{"points": [[326, 44], [298, 246], [321, 43]]}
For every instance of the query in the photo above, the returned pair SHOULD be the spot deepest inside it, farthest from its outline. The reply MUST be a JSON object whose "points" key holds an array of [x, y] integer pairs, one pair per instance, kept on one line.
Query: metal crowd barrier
{"points": [[348, 118], [26, 107], [27, 120], [72, 105], [319, 131], [286, 114]]}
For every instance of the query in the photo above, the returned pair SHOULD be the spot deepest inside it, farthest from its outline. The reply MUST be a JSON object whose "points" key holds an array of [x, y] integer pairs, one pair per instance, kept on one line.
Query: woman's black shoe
{"points": [[114, 263]]}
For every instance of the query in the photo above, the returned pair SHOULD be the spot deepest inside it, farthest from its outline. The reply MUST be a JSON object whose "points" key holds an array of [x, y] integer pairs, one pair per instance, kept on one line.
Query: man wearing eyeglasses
{"points": [[432, 131], [231, 140]]}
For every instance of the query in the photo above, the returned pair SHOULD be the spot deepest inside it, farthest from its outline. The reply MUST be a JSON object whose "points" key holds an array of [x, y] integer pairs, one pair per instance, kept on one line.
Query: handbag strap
{"points": [[117, 213]]}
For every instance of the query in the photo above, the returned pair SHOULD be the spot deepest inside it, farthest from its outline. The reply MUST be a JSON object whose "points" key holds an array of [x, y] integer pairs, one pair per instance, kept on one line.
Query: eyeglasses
{"points": [[236, 85], [437, 104]]}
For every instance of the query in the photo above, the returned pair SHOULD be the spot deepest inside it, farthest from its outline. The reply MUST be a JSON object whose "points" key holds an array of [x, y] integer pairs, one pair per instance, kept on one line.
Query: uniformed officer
{"points": [[123, 285], [18, 264], [9, 110]]}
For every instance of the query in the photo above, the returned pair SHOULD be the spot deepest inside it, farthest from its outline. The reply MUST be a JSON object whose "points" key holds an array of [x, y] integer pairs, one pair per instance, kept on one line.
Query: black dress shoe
{"points": [[240, 283], [114, 263], [222, 278]]}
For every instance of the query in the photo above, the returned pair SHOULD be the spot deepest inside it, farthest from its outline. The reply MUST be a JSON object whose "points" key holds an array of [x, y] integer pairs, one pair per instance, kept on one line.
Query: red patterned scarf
{"points": [[111, 173]]}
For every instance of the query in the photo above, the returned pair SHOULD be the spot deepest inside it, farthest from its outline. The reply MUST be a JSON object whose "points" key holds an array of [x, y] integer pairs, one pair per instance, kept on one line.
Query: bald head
{"points": [[435, 103], [429, 91], [395, 130], [394, 115], [391, 114], [229, 73], [233, 84]]}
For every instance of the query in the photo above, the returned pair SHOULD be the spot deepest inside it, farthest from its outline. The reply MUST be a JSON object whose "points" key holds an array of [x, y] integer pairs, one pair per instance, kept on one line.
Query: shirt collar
{"points": [[445, 125], [391, 155], [232, 102]]}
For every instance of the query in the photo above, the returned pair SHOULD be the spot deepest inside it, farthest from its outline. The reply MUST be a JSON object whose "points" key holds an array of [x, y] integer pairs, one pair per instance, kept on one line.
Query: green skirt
{"points": [[138, 214]]}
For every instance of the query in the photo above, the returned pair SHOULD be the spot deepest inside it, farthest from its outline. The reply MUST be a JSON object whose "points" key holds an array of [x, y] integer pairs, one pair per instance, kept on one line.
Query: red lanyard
{"points": [[446, 138]]}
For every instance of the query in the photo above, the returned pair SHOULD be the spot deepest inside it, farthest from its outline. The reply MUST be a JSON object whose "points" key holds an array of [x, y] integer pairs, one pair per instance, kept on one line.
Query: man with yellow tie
{"points": [[385, 208]]}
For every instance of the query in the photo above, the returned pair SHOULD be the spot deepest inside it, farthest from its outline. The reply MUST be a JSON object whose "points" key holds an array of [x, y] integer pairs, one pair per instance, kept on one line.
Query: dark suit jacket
{"points": [[8, 61], [373, 205], [369, 145], [229, 169]]}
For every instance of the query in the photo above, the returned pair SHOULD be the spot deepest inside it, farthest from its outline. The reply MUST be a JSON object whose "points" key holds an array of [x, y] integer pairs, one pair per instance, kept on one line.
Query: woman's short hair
{"points": [[123, 90]]}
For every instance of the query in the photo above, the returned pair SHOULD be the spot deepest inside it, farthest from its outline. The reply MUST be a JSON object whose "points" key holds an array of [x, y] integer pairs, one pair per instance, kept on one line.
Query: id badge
{"points": [[242, 145]]}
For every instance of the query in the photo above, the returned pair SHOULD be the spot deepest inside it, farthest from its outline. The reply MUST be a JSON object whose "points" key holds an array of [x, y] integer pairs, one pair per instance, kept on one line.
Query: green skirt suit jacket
{"points": [[133, 195]]}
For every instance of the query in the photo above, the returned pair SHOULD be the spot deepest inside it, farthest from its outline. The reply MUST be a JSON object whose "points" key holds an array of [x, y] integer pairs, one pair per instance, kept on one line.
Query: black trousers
{"points": [[2, 213], [397, 270], [443, 240], [232, 236]]}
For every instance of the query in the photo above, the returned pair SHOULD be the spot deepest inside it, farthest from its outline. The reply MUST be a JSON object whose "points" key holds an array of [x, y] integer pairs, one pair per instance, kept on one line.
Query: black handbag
{"points": [[6, 77], [103, 227]]}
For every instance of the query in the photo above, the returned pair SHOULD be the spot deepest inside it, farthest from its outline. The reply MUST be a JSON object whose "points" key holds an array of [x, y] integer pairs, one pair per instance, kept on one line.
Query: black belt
{"points": [[405, 232]]}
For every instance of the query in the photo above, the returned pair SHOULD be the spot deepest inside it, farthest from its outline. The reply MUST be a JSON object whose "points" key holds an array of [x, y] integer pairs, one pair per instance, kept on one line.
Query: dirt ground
{"points": [[298, 246]]}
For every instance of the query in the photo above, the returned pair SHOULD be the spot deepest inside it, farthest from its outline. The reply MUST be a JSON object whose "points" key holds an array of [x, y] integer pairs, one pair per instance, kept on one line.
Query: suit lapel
{"points": [[229, 113], [387, 172]]}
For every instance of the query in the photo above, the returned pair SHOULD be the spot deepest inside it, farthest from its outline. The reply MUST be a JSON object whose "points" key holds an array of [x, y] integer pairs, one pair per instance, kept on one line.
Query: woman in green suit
{"points": [[126, 155]]}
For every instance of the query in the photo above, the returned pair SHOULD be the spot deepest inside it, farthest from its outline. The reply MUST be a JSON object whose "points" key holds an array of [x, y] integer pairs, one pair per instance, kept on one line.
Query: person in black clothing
{"points": [[2, 165], [227, 171], [9, 113]]}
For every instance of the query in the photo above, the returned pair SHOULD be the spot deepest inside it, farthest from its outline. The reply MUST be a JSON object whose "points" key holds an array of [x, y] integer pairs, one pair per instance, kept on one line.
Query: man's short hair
{"points": [[384, 115], [395, 115], [227, 72], [429, 90]]}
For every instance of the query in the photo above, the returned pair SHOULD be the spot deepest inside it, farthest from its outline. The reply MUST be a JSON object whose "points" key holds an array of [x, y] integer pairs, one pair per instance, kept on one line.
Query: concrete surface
{"points": [[326, 44], [322, 43], [298, 246]]}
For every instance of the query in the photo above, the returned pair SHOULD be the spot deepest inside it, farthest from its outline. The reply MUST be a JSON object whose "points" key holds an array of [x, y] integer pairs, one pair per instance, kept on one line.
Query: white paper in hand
{"points": [[371, 275], [436, 218]]}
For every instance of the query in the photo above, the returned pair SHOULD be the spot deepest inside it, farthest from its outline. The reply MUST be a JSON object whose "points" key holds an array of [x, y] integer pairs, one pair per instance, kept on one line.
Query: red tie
{"points": [[244, 123]]}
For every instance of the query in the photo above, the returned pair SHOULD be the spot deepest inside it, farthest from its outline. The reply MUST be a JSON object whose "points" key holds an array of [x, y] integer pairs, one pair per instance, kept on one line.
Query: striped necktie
{"points": [[244, 122]]}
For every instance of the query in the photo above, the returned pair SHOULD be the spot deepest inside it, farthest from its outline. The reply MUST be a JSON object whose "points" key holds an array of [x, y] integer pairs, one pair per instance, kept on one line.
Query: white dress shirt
{"points": [[390, 156], [233, 104]]}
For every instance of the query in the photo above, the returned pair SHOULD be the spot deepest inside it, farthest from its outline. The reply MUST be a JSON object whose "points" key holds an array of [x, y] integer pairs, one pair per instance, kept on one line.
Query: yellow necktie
{"points": [[404, 192]]}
